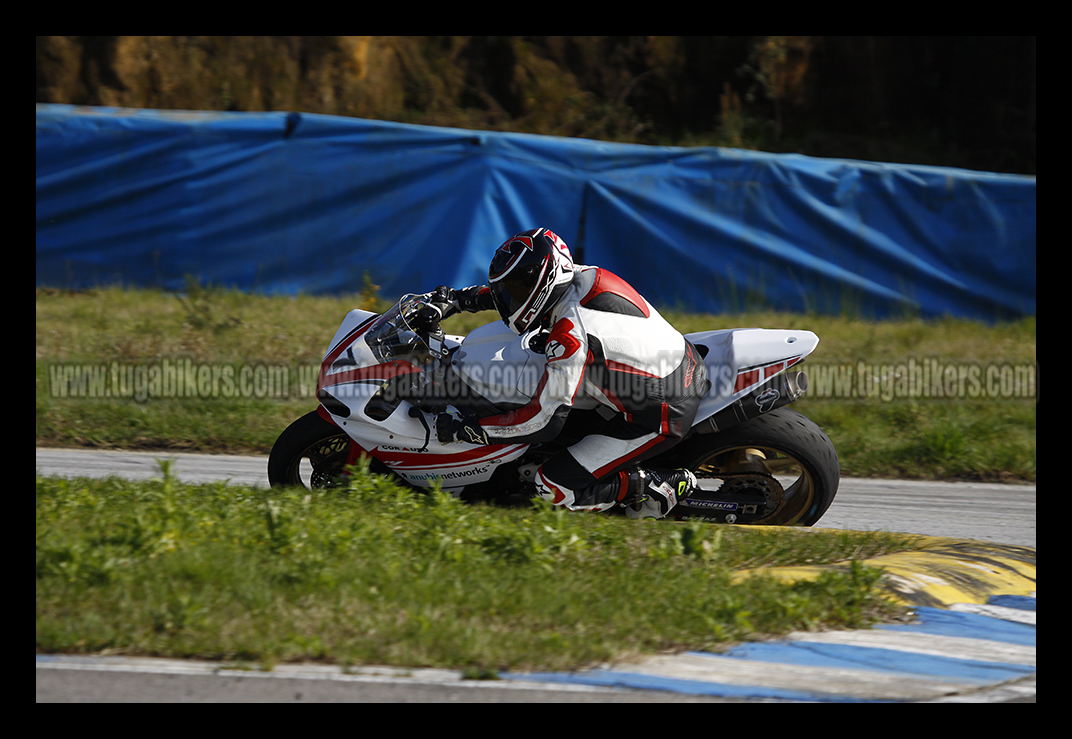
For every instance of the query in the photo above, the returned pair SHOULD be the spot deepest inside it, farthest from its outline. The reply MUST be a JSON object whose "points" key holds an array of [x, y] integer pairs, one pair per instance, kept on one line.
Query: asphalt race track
{"points": [[1004, 514], [958, 652]]}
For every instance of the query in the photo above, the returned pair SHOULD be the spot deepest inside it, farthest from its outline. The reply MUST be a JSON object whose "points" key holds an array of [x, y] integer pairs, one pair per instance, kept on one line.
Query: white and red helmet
{"points": [[529, 274]]}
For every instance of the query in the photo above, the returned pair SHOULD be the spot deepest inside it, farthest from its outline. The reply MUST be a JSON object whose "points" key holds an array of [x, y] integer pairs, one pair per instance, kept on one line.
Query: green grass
{"points": [[372, 574], [881, 432]]}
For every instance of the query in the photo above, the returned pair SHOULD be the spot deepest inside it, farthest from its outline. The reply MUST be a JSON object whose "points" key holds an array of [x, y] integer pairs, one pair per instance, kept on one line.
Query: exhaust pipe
{"points": [[781, 390]]}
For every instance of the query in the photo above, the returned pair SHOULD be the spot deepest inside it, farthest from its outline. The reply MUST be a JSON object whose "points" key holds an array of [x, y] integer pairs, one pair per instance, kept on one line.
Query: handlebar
{"points": [[426, 323]]}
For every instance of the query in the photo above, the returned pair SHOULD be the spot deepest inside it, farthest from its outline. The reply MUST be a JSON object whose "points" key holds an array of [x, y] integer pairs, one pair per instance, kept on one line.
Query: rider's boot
{"points": [[653, 493]]}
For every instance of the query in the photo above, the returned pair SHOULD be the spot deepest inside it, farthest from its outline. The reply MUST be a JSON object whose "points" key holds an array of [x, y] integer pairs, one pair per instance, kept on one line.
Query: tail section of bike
{"points": [[752, 371]]}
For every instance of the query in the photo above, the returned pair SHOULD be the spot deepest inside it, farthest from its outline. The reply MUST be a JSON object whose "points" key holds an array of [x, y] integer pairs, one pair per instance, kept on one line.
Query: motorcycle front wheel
{"points": [[781, 460], [310, 453]]}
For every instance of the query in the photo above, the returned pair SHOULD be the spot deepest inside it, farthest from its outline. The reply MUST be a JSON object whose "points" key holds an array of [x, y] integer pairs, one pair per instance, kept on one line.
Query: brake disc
{"points": [[329, 462]]}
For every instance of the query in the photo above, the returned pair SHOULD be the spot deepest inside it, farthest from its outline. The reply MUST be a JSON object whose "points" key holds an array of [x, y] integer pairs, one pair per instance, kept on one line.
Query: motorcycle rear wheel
{"points": [[783, 447], [310, 453]]}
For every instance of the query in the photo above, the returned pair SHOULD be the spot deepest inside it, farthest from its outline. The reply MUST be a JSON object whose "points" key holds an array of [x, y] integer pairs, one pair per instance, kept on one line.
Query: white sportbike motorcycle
{"points": [[384, 377]]}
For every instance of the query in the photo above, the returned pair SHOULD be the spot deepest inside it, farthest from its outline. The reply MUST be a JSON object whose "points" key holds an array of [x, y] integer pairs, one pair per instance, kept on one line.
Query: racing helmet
{"points": [[529, 274]]}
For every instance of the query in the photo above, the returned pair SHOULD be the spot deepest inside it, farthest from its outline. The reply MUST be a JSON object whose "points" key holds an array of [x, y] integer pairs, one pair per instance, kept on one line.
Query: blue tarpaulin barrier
{"points": [[288, 203]]}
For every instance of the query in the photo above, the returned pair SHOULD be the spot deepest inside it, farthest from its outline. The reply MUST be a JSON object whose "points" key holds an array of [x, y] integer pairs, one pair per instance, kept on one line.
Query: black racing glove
{"points": [[475, 299], [446, 299], [452, 425]]}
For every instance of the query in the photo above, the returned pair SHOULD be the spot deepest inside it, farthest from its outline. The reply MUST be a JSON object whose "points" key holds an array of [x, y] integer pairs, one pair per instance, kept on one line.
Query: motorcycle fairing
{"points": [[453, 468], [354, 322]]}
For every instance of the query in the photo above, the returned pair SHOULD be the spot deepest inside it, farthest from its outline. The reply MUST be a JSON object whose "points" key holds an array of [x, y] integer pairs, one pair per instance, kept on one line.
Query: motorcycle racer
{"points": [[606, 347]]}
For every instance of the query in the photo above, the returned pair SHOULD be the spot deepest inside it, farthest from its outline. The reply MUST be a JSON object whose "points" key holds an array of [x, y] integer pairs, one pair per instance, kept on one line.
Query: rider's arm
{"points": [[543, 417], [474, 299], [469, 299]]}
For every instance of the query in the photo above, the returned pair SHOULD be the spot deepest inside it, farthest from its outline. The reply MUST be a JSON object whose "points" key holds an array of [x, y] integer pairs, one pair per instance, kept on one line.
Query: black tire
{"points": [[323, 444], [782, 443]]}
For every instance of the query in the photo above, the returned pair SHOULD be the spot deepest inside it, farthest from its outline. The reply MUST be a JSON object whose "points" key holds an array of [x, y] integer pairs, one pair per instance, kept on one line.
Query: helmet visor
{"points": [[520, 294]]}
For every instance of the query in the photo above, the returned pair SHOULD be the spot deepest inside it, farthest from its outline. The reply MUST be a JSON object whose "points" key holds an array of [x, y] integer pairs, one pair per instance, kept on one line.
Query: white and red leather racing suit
{"points": [[608, 349]]}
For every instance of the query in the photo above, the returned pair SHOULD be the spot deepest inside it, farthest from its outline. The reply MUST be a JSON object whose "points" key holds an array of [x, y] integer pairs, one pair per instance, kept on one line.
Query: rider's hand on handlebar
{"points": [[444, 295], [439, 304]]}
